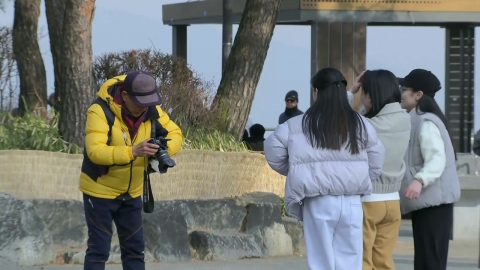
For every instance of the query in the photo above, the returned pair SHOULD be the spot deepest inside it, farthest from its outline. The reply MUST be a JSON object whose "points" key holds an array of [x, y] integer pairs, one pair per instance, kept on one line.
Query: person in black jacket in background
{"points": [[476, 147], [291, 110], [245, 135], [255, 141]]}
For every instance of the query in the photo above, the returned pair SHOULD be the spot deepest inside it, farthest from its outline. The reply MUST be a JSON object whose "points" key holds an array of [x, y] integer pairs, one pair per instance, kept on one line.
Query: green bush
{"points": [[203, 139], [34, 133]]}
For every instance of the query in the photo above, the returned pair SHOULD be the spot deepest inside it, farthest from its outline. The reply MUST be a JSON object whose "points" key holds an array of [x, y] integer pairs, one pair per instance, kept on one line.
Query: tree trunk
{"points": [[70, 32], [245, 64], [31, 70]]}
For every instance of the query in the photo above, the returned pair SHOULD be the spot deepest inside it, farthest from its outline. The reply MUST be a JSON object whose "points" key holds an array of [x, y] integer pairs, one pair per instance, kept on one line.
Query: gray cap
{"points": [[142, 88]]}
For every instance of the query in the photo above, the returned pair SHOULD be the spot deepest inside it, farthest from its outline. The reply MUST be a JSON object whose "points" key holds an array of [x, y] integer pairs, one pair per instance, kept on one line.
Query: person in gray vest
{"points": [[430, 186], [291, 107]]}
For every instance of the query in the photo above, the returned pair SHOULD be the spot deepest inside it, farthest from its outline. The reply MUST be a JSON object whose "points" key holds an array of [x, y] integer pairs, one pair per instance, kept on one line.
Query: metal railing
{"points": [[270, 128]]}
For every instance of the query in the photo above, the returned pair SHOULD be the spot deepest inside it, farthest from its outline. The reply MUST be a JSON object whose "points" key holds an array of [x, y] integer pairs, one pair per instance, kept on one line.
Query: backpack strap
{"points": [[108, 114], [94, 171]]}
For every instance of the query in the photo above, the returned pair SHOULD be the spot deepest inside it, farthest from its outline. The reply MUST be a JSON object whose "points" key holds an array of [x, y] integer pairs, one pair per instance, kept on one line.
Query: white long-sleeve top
{"points": [[350, 98], [433, 152]]}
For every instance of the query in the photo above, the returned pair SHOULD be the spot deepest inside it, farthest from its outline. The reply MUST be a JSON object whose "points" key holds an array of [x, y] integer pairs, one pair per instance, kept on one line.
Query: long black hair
{"points": [[331, 122], [427, 104], [383, 88]]}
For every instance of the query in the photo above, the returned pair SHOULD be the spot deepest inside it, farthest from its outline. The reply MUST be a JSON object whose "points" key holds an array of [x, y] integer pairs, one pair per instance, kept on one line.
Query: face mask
{"points": [[362, 111]]}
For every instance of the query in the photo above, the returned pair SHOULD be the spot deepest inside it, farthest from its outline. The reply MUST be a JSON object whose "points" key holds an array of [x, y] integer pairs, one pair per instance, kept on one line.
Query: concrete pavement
{"points": [[297, 263], [462, 256]]}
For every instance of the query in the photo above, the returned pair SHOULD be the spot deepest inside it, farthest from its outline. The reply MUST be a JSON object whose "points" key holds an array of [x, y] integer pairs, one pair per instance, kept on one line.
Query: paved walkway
{"points": [[463, 256], [297, 263]]}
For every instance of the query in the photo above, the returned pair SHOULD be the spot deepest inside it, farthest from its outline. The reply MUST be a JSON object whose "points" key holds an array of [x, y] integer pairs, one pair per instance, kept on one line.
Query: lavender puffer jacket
{"points": [[318, 172]]}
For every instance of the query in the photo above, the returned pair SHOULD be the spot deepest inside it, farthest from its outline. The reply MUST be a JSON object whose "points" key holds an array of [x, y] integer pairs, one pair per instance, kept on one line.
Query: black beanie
{"points": [[292, 94]]}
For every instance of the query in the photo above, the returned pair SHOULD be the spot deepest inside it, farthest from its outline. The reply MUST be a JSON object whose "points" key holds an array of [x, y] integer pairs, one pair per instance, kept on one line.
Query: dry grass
{"points": [[199, 175]]}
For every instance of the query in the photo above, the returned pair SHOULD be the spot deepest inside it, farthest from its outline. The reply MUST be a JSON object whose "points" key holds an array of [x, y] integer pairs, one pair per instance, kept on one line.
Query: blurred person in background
{"points": [[291, 107], [476, 143], [256, 138], [245, 135]]}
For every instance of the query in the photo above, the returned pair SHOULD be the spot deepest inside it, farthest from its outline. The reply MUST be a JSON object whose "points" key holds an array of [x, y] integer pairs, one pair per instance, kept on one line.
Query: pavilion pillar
{"points": [[341, 45], [459, 84], [179, 41]]}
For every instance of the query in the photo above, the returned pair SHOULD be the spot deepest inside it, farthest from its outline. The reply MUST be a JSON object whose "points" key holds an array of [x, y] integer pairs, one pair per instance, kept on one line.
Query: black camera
{"points": [[164, 160]]}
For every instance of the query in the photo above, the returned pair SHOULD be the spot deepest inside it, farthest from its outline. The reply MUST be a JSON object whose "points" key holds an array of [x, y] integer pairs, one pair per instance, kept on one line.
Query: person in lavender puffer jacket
{"points": [[330, 156]]}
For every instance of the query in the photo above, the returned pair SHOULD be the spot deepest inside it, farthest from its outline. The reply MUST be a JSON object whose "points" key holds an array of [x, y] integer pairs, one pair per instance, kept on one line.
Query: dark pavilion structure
{"points": [[338, 39]]}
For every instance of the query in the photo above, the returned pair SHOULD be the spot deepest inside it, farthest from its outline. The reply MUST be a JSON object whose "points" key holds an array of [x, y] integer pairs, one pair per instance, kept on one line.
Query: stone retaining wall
{"points": [[39, 232]]}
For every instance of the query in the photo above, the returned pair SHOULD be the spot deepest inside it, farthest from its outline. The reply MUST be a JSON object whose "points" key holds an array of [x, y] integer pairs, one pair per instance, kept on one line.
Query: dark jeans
{"points": [[127, 215], [432, 227]]}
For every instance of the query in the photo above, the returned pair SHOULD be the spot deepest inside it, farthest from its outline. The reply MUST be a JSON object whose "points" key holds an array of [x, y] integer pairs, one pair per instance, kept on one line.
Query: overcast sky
{"points": [[125, 24]]}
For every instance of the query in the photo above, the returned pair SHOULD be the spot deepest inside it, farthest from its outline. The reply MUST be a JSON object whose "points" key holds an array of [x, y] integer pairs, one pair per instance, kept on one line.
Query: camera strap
{"points": [[148, 200]]}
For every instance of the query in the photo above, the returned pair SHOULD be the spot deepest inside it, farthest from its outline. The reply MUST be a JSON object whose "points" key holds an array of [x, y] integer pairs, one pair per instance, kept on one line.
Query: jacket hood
{"points": [[106, 92]]}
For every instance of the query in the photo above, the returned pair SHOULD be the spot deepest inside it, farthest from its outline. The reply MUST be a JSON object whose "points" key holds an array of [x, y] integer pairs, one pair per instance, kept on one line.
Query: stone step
{"points": [[225, 246]]}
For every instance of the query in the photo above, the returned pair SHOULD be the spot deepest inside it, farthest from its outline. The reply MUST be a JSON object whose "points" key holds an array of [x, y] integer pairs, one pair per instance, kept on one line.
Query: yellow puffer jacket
{"points": [[125, 174]]}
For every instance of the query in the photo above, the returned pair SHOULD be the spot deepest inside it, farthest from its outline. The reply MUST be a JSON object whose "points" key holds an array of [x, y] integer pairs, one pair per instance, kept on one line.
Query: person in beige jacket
{"points": [[381, 97]]}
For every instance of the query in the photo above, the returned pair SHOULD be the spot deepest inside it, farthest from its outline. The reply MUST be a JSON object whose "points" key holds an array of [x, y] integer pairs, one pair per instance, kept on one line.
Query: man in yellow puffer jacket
{"points": [[115, 163]]}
